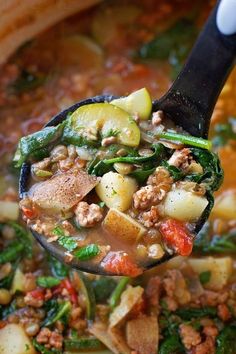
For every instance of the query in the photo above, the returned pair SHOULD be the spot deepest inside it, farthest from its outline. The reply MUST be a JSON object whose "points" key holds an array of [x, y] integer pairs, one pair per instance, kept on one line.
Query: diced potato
{"points": [[13, 340], [63, 191], [9, 210], [129, 298], [104, 117], [220, 268], [225, 206], [18, 281], [183, 205], [137, 103], [123, 226], [116, 191]]}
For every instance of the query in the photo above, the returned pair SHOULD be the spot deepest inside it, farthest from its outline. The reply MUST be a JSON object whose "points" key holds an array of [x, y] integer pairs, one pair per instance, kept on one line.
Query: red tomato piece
{"points": [[66, 284], [176, 235], [37, 294], [121, 264], [29, 213]]}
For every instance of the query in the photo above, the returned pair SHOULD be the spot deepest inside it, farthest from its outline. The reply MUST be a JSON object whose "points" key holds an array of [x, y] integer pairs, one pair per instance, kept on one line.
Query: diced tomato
{"points": [[29, 213], [37, 294], [66, 284], [176, 235], [120, 264]]}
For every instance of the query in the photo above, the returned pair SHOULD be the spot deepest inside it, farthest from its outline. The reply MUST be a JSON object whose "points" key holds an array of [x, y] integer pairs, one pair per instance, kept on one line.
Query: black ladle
{"points": [[189, 102]]}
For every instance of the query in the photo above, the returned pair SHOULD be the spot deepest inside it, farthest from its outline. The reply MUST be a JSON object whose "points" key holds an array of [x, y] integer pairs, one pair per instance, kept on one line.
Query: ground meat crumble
{"points": [[88, 215]]}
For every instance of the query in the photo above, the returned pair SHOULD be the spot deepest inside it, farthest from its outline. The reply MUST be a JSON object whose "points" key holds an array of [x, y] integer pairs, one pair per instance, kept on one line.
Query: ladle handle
{"points": [[192, 97]]}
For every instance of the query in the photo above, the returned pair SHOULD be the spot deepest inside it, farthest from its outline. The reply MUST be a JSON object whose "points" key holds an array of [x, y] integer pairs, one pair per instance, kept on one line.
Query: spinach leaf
{"points": [[83, 343], [147, 162], [141, 175], [56, 311], [47, 282], [87, 252], [173, 44], [66, 241], [225, 342], [175, 172], [71, 136], [171, 345], [33, 143], [205, 277], [12, 252], [27, 81], [58, 269], [205, 243], [103, 287], [213, 174], [24, 237], [224, 132], [43, 350], [189, 313]]}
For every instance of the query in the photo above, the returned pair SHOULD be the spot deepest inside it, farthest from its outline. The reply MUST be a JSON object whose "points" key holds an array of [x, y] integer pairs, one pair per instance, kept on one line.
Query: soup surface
{"points": [[187, 305]]}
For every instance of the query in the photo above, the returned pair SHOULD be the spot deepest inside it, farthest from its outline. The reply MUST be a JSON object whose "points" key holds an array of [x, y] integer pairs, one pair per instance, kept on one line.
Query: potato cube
{"points": [[123, 226], [13, 340], [116, 190], [183, 205], [220, 268]]}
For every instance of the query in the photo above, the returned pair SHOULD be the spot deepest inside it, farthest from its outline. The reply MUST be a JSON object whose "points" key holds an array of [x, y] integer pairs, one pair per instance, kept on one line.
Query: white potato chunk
{"points": [[123, 226], [9, 210], [183, 205], [116, 191], [13, 340], [225, 206], [220, 268], [18, 281], [129, 298]]}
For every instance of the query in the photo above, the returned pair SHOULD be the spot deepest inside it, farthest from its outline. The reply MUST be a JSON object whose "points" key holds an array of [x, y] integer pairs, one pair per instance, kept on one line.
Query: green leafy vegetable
{"points": [[72, 136], [173, 44], [66, 241], [47, 282], [171, 345], [103, 287], [86, 288], [83, 343], [141, 175], [147, 162], [175, 172], [43, 350], [224, 132], [213, 174], [24, 237], [31, 144], [115, 296], [205, 277], [87, 252], [12, 252], [225, 342], [56, 311], [186, 139], [26, 82], [111, 132], [58, 269], [205, 243], [189, 313]]}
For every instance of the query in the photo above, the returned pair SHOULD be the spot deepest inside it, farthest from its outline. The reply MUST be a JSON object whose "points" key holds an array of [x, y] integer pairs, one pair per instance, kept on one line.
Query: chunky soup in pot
{"points": [[187, 305]]}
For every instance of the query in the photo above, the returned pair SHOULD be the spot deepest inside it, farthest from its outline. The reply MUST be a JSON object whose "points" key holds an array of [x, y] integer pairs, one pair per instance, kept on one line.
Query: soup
{"points": [[187, 305], [118, 185]]}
